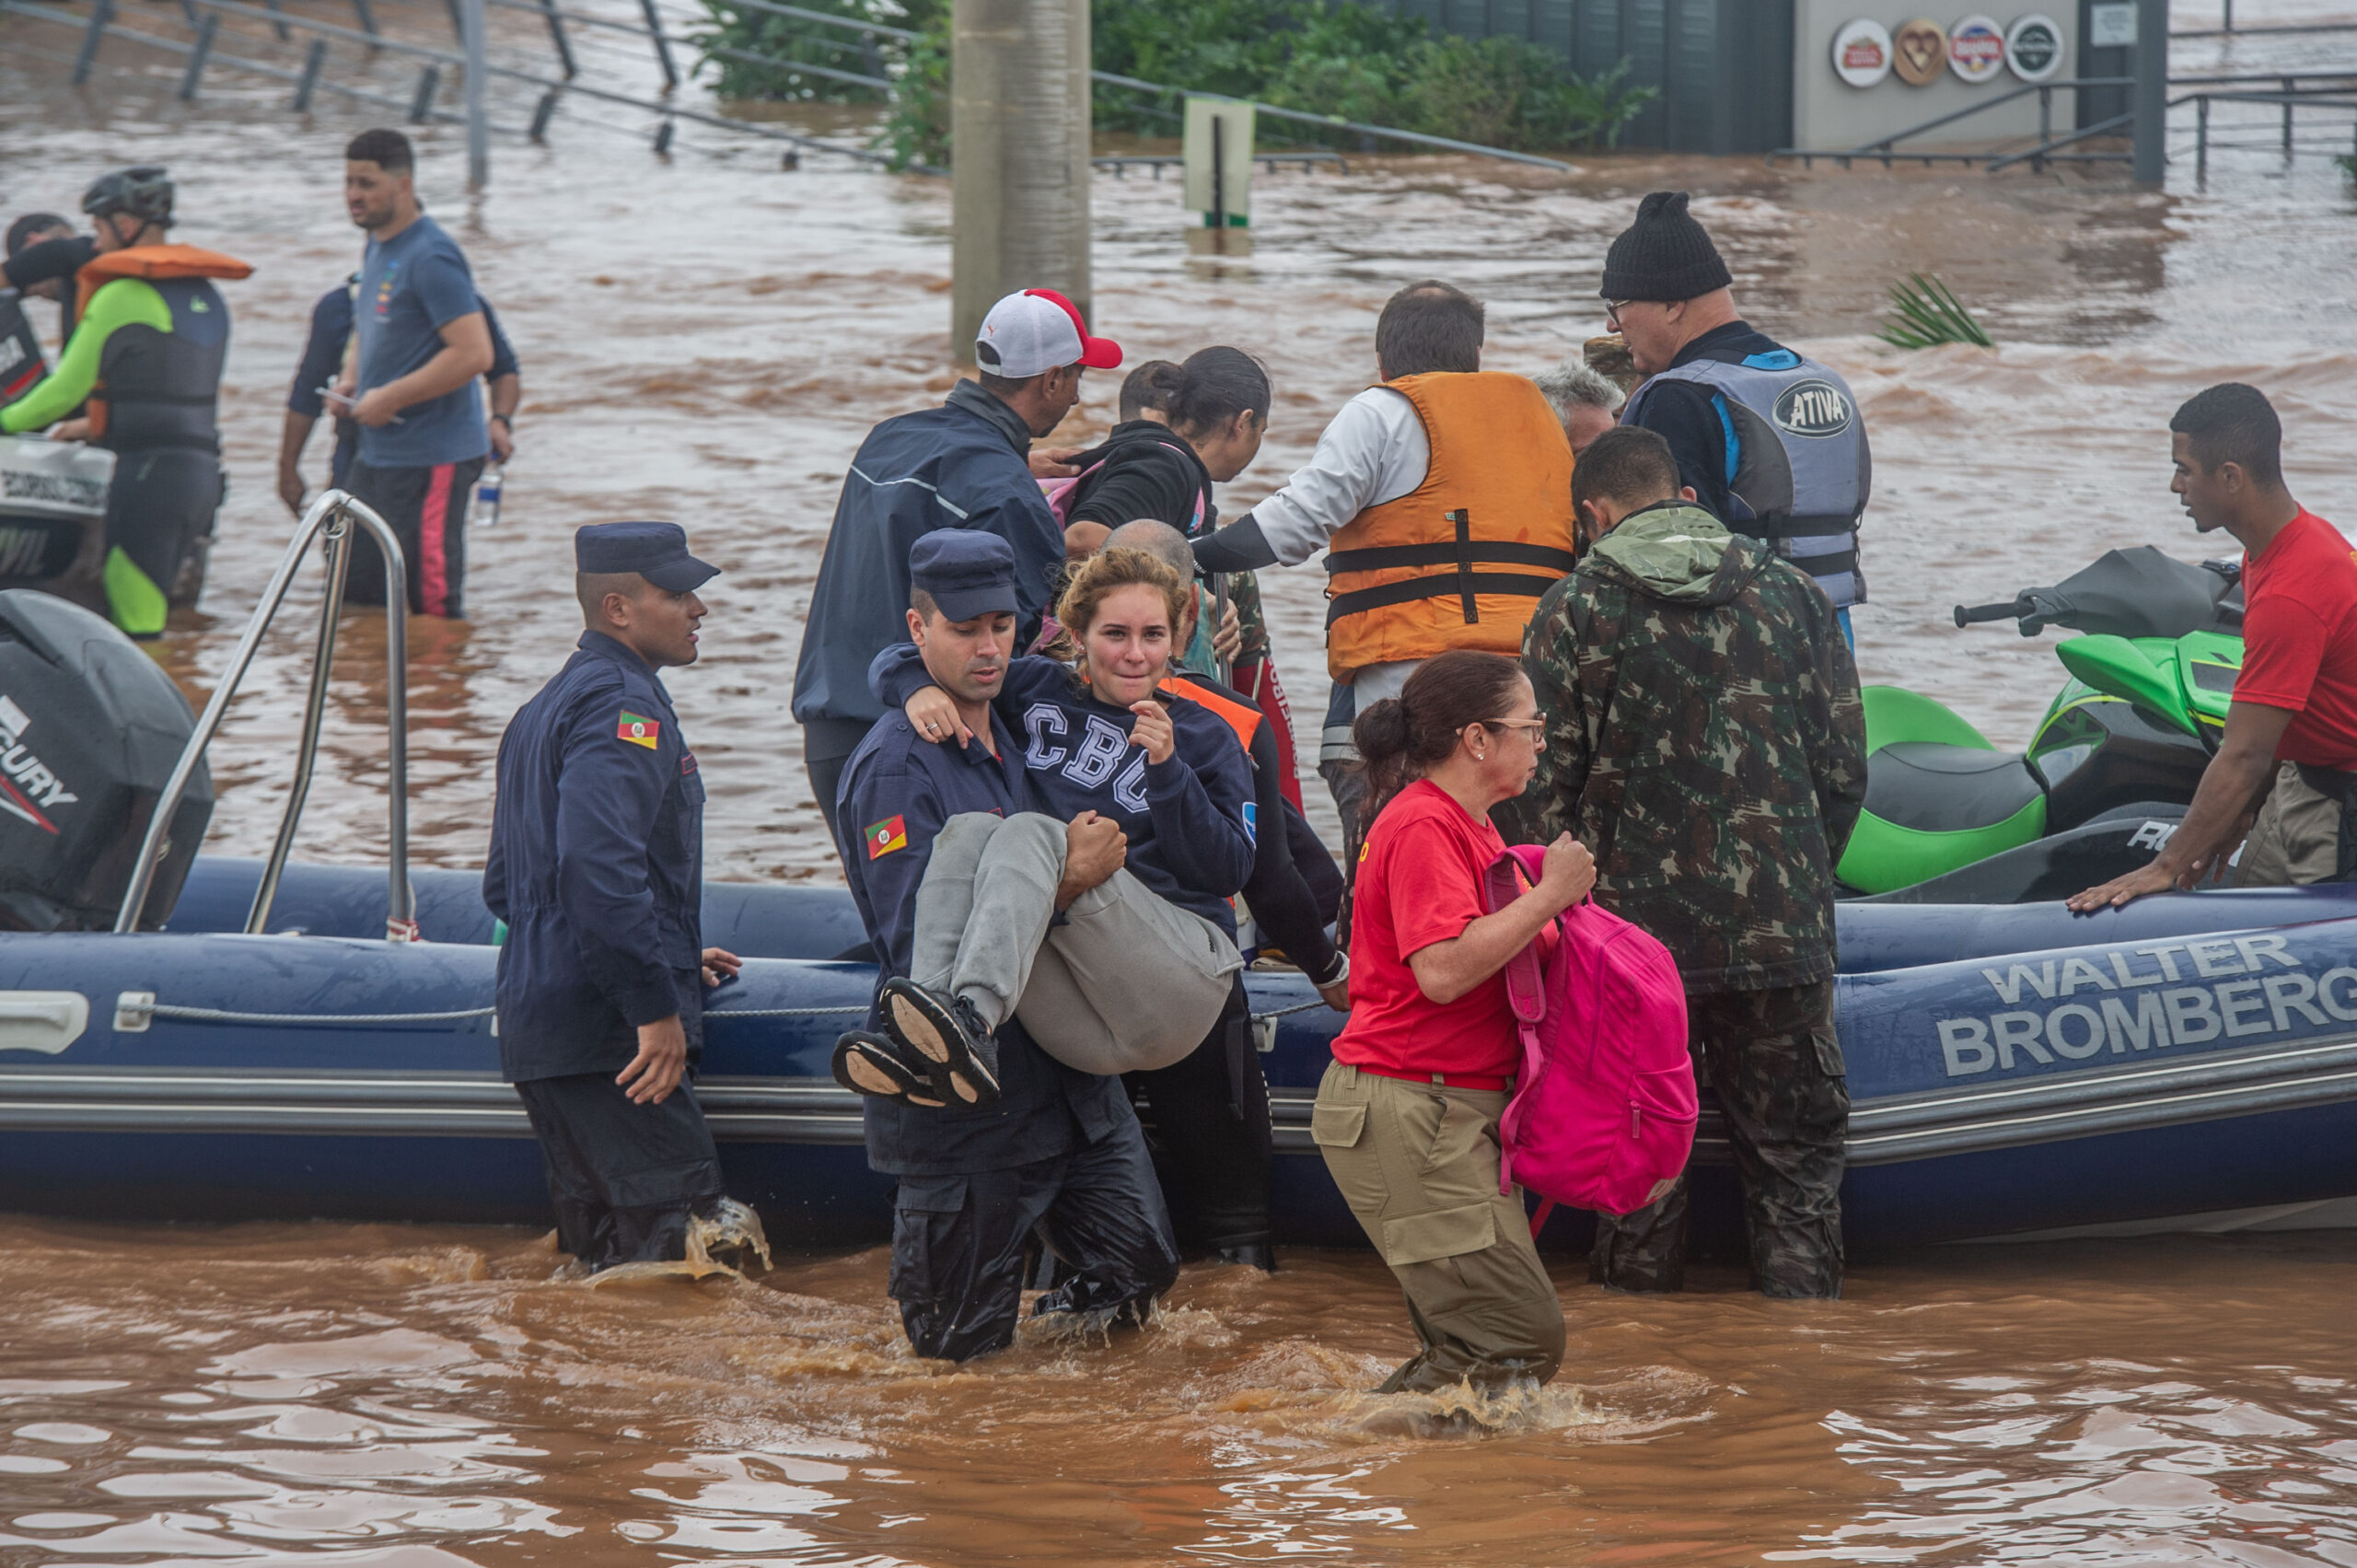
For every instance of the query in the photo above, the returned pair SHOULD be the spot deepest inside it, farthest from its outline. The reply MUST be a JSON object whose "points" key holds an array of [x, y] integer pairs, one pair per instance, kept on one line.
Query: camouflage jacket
{"points": [[1705, 740]]}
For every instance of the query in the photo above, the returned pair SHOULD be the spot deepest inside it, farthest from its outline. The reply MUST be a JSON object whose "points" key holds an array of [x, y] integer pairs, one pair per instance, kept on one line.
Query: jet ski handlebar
{"points": [[2033, 608], [1973, 615], [2126, 593]]}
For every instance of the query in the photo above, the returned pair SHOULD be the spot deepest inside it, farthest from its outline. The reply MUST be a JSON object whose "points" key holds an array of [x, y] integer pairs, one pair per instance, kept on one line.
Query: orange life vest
{"points": [[1458, 562], [1241, 717], [154, 261]]}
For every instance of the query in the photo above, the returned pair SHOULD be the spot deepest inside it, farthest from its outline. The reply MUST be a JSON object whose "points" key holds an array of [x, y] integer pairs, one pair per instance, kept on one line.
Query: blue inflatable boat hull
{"points": [[2184, 1056]]}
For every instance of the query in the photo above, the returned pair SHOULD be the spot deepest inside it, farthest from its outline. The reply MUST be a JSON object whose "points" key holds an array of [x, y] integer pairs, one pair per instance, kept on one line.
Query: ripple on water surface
{"points": [[279, 1393]]}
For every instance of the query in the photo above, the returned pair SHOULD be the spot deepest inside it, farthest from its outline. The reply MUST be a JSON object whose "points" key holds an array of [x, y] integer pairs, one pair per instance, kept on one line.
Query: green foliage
{"points": [[1928, 314], [735, 35], [1346, 60], [917, 130]]}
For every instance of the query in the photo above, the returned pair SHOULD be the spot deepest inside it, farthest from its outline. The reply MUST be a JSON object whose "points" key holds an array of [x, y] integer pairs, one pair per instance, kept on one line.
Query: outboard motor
{"points": [[53, 501], [89, 729]]}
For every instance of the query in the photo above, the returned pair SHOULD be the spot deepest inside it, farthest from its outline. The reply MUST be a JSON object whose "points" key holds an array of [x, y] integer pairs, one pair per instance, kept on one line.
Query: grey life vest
{"points": [[1797, 469]]}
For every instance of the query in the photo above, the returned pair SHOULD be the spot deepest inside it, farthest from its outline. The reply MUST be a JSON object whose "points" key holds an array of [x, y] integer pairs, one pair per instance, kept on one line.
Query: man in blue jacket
{"points": [[964, 465], [1058, 1150], [596, 865]]}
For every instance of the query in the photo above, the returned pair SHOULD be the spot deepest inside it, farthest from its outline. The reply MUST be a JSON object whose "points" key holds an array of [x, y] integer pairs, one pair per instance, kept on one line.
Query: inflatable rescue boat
{"points": [[246, 1042]]}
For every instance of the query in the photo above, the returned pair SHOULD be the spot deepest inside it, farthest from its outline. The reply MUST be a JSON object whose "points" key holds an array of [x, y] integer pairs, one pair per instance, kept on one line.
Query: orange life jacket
{"points": [[1458, 562], [152, 261], [1241, 717]]}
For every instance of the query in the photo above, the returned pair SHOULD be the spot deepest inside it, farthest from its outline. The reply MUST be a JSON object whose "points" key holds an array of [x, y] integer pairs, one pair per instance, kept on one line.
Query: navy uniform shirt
{"points": [[597, 865], [897, 791]]}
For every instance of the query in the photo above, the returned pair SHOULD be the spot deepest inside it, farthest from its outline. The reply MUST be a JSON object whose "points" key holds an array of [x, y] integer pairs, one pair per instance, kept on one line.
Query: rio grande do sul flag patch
{"points": [[638, 729], [884, 836]]}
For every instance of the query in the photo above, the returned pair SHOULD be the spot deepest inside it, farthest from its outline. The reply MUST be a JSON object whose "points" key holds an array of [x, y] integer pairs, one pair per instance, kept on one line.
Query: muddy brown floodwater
{"points": [[707, 338]]}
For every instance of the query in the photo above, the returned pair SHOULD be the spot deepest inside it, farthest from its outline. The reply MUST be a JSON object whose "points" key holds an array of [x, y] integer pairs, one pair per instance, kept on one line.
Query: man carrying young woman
{"points": [[1407, 1116], [994, 948]]}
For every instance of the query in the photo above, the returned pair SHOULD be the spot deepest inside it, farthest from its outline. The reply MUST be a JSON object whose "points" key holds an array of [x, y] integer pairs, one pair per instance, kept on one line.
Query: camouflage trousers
{"points": [[1775, 1064]]}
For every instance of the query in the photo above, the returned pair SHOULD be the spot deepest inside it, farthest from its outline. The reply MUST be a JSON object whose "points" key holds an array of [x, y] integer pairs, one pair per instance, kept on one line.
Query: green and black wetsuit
{"points": [[146, 355]]}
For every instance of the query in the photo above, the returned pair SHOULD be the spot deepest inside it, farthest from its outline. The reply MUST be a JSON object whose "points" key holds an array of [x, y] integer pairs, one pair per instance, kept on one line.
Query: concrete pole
{"points": [[478, 125], [1019, 155], [2150, 95]]}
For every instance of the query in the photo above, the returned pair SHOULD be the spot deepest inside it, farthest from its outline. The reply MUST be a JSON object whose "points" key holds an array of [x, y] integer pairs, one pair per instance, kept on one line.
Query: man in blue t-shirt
{"points": [[423, 342], [322, 362]]}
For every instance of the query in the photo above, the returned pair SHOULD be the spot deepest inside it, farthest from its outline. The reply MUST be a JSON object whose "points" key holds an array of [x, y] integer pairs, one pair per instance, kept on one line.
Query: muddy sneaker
{"points": [[870, 1064], [948, 1035]]}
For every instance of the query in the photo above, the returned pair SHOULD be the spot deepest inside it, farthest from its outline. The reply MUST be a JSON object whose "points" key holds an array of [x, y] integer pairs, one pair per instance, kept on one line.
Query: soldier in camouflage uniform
{"points": [[1706, 742]]}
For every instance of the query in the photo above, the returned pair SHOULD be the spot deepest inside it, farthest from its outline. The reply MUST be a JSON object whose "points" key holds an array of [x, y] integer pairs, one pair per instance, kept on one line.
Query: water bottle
{"points": [[487, 498]]}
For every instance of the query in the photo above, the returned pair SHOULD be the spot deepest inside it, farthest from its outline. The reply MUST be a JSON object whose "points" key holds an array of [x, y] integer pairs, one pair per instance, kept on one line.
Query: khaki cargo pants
{"points": [[2297, 840], [1418, 1164]]}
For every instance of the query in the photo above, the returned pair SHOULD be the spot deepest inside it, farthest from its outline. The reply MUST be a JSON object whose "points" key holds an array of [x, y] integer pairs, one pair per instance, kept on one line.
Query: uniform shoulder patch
{"points": [[638, 729], [884, 836]]}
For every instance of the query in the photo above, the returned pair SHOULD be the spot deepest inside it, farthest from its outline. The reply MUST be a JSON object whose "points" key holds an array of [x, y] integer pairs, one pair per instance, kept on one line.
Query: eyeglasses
{"points": [[1612, 309], [1538, 727]]}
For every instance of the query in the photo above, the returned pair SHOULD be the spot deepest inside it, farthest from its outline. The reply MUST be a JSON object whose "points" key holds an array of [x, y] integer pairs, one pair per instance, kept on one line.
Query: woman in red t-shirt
{"points": [[1407, 1116]]}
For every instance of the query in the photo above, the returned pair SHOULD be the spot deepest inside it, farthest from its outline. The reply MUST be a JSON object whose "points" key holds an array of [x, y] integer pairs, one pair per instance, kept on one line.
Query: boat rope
{"points": [[782, 1012], [225, 1015], [1284, 1012], [222, 1015]]}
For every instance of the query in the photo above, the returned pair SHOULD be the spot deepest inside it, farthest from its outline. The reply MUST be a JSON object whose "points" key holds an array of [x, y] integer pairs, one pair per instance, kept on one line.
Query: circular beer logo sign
{"points": [[1918, 50], [1862, 52], [1976, 49], [1813, 408], [2034, 48]]}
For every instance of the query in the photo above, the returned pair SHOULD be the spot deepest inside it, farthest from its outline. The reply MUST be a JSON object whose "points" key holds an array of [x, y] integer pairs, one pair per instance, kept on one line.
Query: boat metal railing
{"points": [[331, 520]]}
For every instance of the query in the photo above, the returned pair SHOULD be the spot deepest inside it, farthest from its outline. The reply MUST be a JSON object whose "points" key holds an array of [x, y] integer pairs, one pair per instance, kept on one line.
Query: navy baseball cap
{"points": [[656, 552], [967, 572]]}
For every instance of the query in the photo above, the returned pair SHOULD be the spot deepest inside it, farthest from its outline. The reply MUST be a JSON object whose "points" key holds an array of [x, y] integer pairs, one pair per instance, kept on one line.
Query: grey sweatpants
{"points": [[1129, 982]]}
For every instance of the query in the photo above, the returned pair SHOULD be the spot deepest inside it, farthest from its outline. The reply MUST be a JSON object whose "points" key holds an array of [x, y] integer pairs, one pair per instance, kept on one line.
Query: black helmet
{"points": [[145, 192]]}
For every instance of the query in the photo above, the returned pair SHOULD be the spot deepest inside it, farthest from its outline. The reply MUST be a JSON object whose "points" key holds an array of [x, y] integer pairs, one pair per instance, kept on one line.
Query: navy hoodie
{"points": [[1189, 820]]}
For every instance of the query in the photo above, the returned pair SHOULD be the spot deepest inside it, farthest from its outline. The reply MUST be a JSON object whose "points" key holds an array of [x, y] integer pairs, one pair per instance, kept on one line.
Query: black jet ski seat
{"points": [[1934, 788]]}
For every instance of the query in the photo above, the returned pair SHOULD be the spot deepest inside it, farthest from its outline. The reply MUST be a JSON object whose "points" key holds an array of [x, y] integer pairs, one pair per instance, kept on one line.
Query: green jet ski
{"points": [[2107, 777]]}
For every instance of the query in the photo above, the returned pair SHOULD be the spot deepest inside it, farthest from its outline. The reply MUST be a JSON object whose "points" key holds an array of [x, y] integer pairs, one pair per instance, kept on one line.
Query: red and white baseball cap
{"points": [[1035, 331]]}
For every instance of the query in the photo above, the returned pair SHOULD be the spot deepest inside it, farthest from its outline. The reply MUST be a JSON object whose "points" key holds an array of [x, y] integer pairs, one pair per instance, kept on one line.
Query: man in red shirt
{"points": [[2294, 713]]}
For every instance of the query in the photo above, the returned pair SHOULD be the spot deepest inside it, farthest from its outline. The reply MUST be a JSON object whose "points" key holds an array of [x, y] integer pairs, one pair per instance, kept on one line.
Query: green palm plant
{"points": [[1929, 313]]}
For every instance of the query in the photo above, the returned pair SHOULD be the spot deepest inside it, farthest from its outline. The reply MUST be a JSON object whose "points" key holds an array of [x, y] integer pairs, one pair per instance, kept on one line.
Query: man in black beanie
{"points": [[1768, 440]]}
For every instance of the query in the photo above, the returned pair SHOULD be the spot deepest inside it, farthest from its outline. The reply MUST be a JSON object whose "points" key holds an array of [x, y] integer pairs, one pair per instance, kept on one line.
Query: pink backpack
{"points": [[1603, 1111], [1064, 495]]}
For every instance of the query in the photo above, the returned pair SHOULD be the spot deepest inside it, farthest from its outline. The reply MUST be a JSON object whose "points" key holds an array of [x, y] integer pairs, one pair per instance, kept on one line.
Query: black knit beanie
{"points": [[1664, 255]]}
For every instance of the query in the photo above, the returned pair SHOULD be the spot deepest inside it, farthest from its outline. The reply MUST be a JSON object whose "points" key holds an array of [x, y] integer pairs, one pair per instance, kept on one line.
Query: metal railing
{"points": [[331, 515], [1885, 149], [2293, 96], [101, 23]]}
